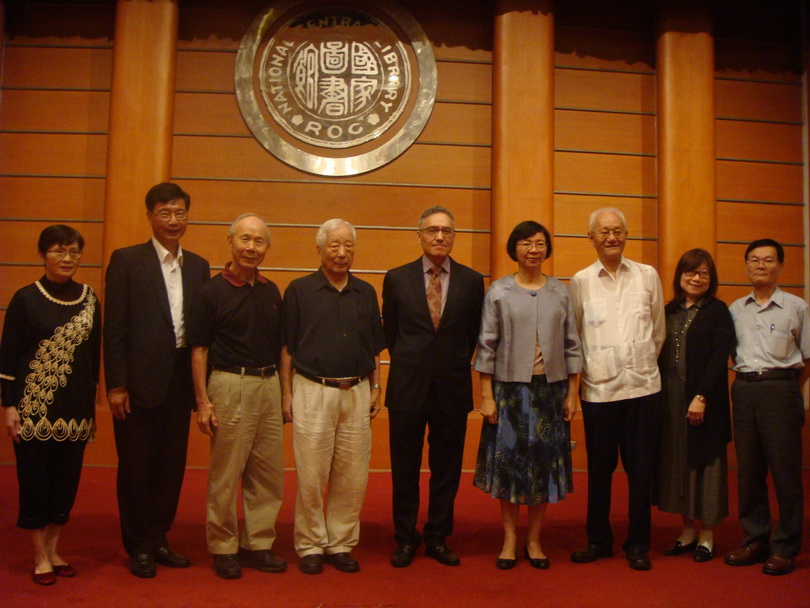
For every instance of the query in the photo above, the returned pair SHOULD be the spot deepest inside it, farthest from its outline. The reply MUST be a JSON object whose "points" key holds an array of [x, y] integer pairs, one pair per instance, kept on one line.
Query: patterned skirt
{"points": [[525, 457]]}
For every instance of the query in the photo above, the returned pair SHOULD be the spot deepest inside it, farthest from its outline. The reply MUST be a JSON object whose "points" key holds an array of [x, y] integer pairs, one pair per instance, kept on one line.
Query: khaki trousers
{"points": [[332, 443], [247, 447]]}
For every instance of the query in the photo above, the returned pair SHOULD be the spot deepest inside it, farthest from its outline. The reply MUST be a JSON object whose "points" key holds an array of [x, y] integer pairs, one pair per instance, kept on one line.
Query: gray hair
{"points": [[328, 226], [436, 209], [232, 231], [595, 215]]}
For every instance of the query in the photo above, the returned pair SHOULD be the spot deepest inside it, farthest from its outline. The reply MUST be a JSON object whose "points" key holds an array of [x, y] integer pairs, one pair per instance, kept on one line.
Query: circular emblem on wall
{"points": [[335, 89]]}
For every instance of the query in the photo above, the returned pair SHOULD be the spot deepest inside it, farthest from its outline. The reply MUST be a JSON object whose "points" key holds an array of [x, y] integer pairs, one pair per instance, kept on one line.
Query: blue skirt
{"points": [[525, 457]]}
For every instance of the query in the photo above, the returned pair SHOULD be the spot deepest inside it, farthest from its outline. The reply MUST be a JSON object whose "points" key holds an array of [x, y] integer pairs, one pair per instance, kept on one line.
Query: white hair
{"points": [[232, 231], [328, 226], [595, 215]]}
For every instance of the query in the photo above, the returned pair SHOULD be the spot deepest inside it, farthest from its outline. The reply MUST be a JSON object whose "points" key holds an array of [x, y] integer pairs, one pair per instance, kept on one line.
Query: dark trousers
{"points": [[768, 419], [628, 427], [446, 433], [48, 474], [152, 444]]}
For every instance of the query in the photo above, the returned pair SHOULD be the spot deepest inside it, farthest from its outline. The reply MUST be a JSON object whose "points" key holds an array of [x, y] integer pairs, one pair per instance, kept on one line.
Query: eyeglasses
{"points": [[529, 245], [757, 261], [432, 231], [604, 234], [165, 214], [60, 253], [703, 274]]}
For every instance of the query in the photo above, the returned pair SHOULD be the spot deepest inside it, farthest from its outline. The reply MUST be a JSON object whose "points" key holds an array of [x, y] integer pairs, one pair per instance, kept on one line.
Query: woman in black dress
{"points": [[696, 423], [49, 364]]}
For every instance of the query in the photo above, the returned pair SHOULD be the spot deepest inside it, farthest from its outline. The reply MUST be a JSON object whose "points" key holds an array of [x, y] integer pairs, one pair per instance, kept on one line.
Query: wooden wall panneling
{"points": [[628, 133], [743, 221], [752, 100], [751, 181], [609, 91], [57, 68], [619, 175], [55, 111], [25, 197], [764, 141], [312, 203], [239, 158], [49, 154]]}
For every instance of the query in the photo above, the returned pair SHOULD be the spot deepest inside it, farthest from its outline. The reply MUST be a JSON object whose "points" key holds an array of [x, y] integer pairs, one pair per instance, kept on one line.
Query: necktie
{"points": [[434, 296]]}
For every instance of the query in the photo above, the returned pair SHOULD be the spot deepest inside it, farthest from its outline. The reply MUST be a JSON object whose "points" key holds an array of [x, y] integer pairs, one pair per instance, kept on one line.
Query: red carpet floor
{"points": [[91, 543]]}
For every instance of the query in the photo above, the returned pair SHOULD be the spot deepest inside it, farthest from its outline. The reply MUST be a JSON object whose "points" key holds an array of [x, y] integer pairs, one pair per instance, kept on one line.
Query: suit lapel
{"points": [[156, 283]]}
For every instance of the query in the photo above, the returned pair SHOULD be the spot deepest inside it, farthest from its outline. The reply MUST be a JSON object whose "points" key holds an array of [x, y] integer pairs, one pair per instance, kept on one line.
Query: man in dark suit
{"points": [[149, 292], [432, 313]]}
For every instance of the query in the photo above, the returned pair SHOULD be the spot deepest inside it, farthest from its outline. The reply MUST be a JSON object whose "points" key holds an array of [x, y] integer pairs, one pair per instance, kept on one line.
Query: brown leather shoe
{"points": [[777, 564], [752, 553]]}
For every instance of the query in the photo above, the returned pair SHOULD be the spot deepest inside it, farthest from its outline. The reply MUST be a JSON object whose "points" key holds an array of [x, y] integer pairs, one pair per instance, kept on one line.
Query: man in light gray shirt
{"points": [[773, 349]]}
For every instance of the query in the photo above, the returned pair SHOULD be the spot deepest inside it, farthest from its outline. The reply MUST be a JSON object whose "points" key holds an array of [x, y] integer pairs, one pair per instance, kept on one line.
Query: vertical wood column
{"points": [[139, 148], [686, 134], [522, 123]]}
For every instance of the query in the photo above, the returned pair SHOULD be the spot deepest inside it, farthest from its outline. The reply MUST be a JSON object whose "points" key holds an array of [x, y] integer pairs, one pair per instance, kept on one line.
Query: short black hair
{"points": [[58, 234], [689, 261], [166, 193], [780, 253], [523, 231]]}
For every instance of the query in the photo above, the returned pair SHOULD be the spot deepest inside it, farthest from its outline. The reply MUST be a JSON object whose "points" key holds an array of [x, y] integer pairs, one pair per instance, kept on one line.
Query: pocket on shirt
{"points": [[594, 312], [601, 365], [640, 304], [781, 343]]}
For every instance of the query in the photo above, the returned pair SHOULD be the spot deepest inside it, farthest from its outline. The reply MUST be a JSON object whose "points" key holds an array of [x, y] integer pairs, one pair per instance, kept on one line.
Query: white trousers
{"points": [[332, 443]]}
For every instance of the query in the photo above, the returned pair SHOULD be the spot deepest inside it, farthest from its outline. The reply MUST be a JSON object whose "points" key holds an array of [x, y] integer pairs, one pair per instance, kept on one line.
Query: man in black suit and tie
{"points": [[149, 292], [431, 313]]}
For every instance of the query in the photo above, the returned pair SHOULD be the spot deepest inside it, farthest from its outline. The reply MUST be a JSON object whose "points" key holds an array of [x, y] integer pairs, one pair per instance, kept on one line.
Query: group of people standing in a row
{"points": [[652, 379]]}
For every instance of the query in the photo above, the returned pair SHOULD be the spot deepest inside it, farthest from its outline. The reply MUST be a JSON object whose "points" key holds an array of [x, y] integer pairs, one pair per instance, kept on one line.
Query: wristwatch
{"points": [[373, 386]]}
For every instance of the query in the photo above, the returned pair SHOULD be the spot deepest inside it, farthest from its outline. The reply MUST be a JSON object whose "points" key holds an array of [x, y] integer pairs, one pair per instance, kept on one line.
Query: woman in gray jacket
{"points": [[529, 357]]}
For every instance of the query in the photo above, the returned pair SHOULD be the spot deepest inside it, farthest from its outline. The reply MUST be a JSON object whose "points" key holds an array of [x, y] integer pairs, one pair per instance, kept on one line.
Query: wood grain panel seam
{"points": [[792, 83], [604, 70], [585, 236], [39, 264], [746, 201], [51, 220], [41, 45], [606, 194], [766, 121], [357, 226], [55, 89], [759, 161], [604, 111], [50, 132], [606, 152], [735, 242]]}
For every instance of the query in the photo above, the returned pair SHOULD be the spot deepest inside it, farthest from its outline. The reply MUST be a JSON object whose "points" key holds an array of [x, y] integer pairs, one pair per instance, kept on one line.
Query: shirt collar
{"points": [[324, 282], [600, 267], [427, 264], [777, 297], [230, 276], [163, 253]]}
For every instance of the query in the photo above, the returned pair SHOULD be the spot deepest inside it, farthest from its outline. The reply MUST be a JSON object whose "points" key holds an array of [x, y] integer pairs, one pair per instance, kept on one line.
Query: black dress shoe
{"points": [[263, 560], [639, 560], [166, 557], [679, 548], [541, 563], [343, 561], [142, 565], [505, 564], [591, 553], [311, 564], [442, 554], [703, 554], [227, 565], [403, 556]]}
